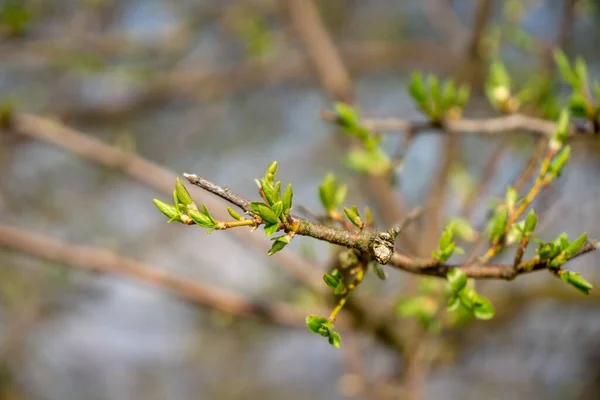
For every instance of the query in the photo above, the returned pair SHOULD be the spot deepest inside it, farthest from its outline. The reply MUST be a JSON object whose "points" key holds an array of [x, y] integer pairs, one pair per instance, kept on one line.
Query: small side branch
{"points": [[223, 192]]}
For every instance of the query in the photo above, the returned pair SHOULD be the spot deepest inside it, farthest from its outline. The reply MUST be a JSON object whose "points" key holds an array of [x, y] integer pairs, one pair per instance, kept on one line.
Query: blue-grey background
{"points": [[105, 337]]}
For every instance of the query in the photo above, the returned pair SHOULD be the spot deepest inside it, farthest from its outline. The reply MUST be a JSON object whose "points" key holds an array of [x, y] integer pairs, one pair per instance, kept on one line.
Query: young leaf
{"points": [[530, 223], [201, 219], [169, 210], [268, 190], [234, 214], [314, 323], [564, 67], [270, 229], [263, 211], [331, 280], [271, 171], [288, 194], [352, 214], [562, 127], [463, 229], [575, 245], [498, 225], [334, 339], [483, 309], [576, 280], [183, 196], [327, 191], [453, 303], [457, 279], [381, 274], [279, 243], [559, 162], [347, 115], [277, 208]]}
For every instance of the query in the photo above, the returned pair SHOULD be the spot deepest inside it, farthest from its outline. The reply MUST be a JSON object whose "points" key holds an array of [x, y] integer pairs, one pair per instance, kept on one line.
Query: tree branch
{"points": [[380, 244], [106, 261], [484, 126]]}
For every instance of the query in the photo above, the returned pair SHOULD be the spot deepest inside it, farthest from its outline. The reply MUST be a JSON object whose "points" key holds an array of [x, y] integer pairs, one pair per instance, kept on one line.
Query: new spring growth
{"points": [[438, 101], [463, 294]]}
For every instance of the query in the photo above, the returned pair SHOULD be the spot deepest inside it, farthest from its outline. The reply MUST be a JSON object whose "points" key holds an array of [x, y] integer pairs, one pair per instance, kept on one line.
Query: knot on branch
{"points": [[382, 247]]}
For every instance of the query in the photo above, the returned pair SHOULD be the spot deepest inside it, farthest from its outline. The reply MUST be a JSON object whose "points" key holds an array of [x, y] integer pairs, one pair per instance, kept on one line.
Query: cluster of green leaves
{"points": [[447, 246], [463, 294], [558, 252], [184, 209], [437, 100], [324, 327], [583, 101], [370, 158], [275, 208]]}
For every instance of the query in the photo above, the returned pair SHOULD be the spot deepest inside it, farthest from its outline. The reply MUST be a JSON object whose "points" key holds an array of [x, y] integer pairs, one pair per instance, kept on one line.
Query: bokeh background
{"points": [[222, 88]]}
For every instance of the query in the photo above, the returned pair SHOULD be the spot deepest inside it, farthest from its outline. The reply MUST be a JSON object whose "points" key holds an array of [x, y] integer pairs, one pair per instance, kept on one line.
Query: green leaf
{"points": [[559, 162], [263, 211], [447, 237], [511, 197], [463, 229], [201, 219], [448, 95], [562, 127], [169, 210], [575, 245], [234, 214], [468, 297], [576, 280], [271, 172], [434, 92], [416, 89], [268, 190], [453, 303], [352, 214], [483, 309], [530, 222], [277, 208], [381, 274], [578, 105], [334, 339], [288, 194], [327, 191], [339, 289], [279, 243], [314, 323], [205, 212], [182, 193], [347, 115], [270, 229], [331, 280], [581, 71], [498, 224], [564, 67], [340, 195], [457, 279]]}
